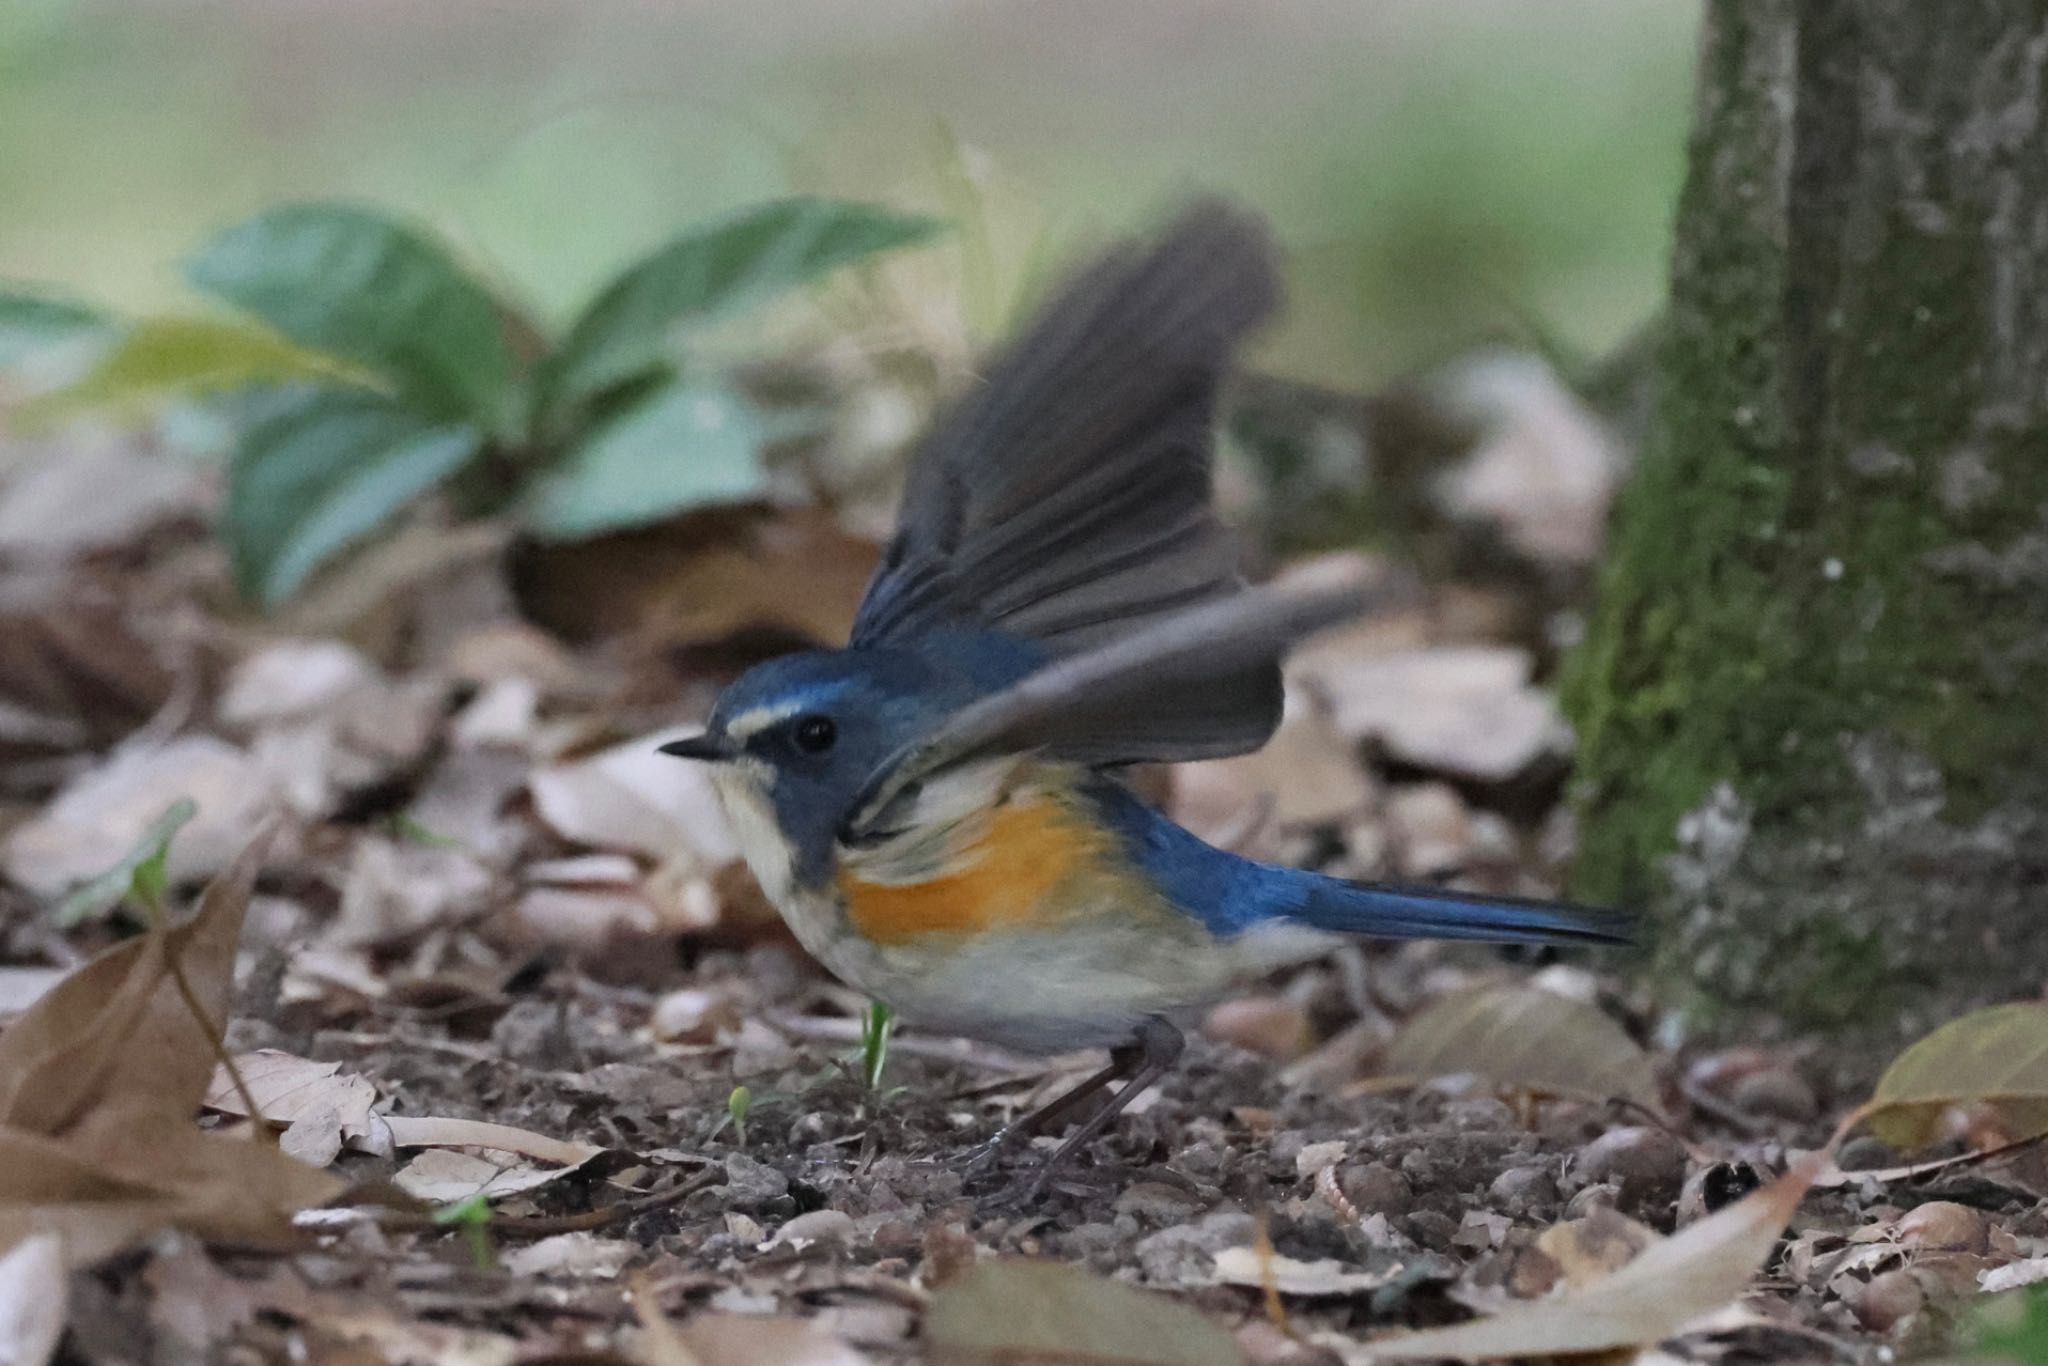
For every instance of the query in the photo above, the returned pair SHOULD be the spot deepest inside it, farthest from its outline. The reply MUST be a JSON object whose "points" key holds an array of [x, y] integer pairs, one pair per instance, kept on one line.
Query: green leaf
{"points": [[350, 281], [162, 359], [687, 445], [1018, 1311], [1526, 1038], [321, 472], [139, 873], [1997, 1056], [31, 320], [714, 271]]}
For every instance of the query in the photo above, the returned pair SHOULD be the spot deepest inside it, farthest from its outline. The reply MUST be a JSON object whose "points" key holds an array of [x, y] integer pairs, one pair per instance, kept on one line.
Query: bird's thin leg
{"points": [[1156, 1048], [1122, 1063]]}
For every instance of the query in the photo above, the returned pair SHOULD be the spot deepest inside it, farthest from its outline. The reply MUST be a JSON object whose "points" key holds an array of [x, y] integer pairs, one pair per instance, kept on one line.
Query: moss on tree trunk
{"points": [[1813, 703]]}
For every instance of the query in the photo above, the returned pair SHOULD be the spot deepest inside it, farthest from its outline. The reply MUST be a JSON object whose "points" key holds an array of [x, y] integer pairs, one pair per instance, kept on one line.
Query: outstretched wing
{"points": [[1067, 497], [1084, 707]]}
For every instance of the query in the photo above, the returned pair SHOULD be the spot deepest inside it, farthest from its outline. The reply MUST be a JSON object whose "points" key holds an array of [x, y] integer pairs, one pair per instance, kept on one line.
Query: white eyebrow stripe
{"points": [[751, 723]]}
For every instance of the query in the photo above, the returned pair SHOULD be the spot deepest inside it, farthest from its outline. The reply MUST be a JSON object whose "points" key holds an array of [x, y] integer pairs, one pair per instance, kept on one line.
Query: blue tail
{"points": [[1388, 912]]}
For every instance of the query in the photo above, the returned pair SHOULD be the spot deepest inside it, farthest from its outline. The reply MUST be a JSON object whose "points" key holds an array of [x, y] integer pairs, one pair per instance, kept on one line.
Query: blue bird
{"points": [[937, 809]]}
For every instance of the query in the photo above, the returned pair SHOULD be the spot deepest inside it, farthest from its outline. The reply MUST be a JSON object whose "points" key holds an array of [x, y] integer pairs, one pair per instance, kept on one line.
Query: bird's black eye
{"points": [[815, 734]]}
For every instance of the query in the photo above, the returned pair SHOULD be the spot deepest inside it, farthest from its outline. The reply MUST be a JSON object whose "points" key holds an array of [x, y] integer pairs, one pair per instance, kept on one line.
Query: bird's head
{"points": [[794, 739]]}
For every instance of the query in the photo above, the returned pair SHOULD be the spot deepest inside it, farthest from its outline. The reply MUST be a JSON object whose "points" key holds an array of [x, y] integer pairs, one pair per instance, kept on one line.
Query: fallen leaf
{"points": [[571, 1254], [2013, 1275], [1525, 1038], [319, 1106], [698, 579], [1012, 1311], [34, 1292], [95, 821], [1997, 1056], [634, 798], [102, 892], [82, 497], [1243, 1266], [1465, 711], [1545, 468], [294, 679], [1670, 1284], [410, 1132], [21, 988], [120, 1027], [78, 666], [444, 1176], [754, 1340]]}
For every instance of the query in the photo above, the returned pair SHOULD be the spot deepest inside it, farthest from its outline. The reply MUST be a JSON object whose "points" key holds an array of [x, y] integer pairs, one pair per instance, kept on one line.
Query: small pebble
{"points": [[1645, 1165], [1524, 1191], [1600, 1195], [1156, 1202], [1481, 1115], [1432, 1229], [1777, 1092], [752, 1182], [1376, 1188], [1866, 1154]]}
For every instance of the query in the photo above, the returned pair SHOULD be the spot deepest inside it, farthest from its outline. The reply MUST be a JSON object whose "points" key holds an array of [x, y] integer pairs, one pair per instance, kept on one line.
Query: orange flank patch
{"points": [[1010, 878]]}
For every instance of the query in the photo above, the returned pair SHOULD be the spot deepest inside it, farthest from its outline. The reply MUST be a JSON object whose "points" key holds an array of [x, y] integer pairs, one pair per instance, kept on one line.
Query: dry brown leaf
{"points": [[794, 574], [448, 1175], [22, 987], [1997, 1056], [99, 1081], [1526, 1038], [34, 1290], [410, 1132], [118, 1027], [1243, 1266], [1009, 1311], [1672, 1283], [319, 1106]]}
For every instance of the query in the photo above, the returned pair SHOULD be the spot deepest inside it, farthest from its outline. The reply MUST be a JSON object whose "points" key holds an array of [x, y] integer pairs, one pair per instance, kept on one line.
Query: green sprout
{"points": [[875, 1028], [736, 1106], [473, 1216]]}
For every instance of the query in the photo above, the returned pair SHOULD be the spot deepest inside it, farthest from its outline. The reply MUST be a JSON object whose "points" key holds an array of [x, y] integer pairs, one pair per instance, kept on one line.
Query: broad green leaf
{"points": [[711, 272], [1019, 1311], [163, 359], [139, 873], [1997, 1056], [323, 471], [31, 320], [353, 282], [1527, 1038], [688, 444]]}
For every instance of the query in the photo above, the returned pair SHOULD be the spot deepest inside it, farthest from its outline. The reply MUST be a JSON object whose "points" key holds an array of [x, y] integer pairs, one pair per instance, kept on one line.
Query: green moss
{"points": [[1793, 575]]}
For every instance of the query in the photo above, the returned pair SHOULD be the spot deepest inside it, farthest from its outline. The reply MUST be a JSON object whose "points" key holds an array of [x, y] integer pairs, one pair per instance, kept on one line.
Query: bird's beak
{"points": [[710, 747]]}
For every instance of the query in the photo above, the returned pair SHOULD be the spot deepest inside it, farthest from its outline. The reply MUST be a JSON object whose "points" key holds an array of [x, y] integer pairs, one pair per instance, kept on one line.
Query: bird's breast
{"points": [[1030, 862]]}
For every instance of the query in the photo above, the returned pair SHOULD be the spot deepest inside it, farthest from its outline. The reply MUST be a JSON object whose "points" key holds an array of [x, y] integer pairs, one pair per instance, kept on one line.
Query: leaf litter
{"points": [[502, 949]]}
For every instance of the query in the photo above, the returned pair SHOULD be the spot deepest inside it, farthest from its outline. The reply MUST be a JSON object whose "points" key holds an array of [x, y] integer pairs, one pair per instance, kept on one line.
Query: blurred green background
{"points": [[1441, 170]]}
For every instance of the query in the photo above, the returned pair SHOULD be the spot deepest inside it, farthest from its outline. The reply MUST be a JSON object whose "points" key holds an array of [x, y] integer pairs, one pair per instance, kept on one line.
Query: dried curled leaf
{"points": [[1525, 1038], [1670, 1284], [1997, 1057]]}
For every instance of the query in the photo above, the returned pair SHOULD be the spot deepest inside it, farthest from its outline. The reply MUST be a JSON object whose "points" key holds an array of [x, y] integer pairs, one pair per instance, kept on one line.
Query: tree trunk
{"points": [[1813, 701]]}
